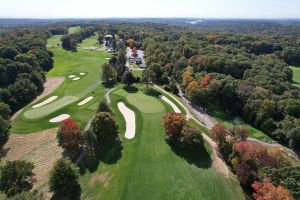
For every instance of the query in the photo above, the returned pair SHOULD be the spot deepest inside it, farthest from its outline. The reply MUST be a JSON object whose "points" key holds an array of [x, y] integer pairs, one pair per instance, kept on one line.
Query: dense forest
{"points": [[24, 60]]}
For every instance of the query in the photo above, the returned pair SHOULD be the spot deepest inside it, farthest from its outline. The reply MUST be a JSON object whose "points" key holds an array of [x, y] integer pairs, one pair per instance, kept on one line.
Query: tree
{"points": [[218, 134], [174, 123], [104, 107], [190, 138], [100, 38], [63, 177], [267, 191], [70, 135], [294, 138], [128, 78], [122, 56], [206, 81], [105, 127], [108, 72], [147, 77], [289, 177], [4, 128], [90, 141], [16, 177]]}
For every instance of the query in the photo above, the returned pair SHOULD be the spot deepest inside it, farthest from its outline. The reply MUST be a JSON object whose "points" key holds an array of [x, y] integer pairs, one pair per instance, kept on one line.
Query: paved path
{"points": [[217, 161], [87, 127]]}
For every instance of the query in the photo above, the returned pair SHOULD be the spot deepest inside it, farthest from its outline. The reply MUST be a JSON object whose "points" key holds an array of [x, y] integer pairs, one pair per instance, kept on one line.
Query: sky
{"points": [[150, 8]]}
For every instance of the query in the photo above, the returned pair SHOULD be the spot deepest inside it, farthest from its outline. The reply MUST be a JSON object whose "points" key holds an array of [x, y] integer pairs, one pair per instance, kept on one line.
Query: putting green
{"points": [[50, 108], [144, 103]]}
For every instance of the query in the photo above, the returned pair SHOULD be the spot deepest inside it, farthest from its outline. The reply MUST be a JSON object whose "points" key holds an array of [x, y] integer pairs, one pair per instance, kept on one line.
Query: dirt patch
{"points": [[40, 148], [103, 178], [49, 86], [218, 163]]}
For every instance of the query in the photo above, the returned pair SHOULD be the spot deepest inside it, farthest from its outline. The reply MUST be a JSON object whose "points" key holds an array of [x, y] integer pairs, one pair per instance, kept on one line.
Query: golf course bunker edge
{"points": [[129, 117]]}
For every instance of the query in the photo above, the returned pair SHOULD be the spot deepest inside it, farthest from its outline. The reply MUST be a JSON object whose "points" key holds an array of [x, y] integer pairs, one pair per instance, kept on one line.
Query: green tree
{"points": [[108, 72], [105, 127], [294, 138], [190, 138], [63, 177], [147, 77], [16, 177], [128, 78], [104, 107]]}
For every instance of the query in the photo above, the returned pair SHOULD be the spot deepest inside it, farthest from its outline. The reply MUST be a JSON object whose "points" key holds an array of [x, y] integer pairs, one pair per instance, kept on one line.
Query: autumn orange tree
{"points": [[206, 81], [248, 158], [267, 191], [70, 135], [174, 123], [218, 134]]}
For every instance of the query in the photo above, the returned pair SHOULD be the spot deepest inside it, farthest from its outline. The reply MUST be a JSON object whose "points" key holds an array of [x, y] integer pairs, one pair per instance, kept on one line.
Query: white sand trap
{"points": [[175, 108], [107, 58], [50, 99], [82, 73], [72, 76], [76, 79], [129, 116], [86, 100], [59, 118]]}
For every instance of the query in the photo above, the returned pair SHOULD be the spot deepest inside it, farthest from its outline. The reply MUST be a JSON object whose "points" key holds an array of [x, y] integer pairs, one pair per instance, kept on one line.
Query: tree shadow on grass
{"points": [[199, 157], [110, 154], [131, 89], [109, 84], [74, 194]]}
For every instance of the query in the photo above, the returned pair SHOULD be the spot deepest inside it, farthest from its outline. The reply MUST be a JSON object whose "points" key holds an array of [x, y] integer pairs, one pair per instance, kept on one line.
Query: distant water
{"points": [[196, 22]]}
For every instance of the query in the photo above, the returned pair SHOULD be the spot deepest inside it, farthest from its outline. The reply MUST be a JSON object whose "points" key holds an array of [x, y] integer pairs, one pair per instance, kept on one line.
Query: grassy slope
{"points": [[227, 121], [66, 63], [296, 76], [149, 169]]}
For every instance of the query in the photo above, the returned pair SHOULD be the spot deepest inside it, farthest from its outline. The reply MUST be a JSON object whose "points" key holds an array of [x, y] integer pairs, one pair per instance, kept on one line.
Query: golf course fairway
{"points": [[147, 167], [85, 64]]}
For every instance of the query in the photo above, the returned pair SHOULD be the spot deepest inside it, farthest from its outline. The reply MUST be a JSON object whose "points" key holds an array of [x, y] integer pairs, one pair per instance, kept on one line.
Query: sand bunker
{"points": [[82, 73], [175, 108], [76, 79], [107, 58], [72, 76], [50, 99], [86, 100], [59, 118], [129, 117]]}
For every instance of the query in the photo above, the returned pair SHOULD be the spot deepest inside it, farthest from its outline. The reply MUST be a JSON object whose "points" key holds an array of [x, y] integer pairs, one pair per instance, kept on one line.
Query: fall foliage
{"points": [[206, 81], [267, 191], [174, 123], [70, 135]]}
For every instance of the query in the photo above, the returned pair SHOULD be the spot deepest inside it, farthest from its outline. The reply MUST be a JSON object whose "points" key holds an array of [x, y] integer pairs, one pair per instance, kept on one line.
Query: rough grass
{"points": [[65, 64], [296, 76], [40, 148], [150, 168], [227, 121]]}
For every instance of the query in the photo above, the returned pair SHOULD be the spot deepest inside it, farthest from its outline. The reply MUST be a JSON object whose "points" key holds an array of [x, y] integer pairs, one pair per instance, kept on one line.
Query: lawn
{"points": [[74, 29], [69, 93], [146, 167], [296, 76]]}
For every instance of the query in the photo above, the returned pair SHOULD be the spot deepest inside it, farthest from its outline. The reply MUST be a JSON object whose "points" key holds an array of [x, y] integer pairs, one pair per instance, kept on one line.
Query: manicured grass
{"points": [[148, 168], [90, 42], [65, 64], [53, 41], [199, 126], [137, 73], [227, 121], [74, 29], [296, 76]]}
